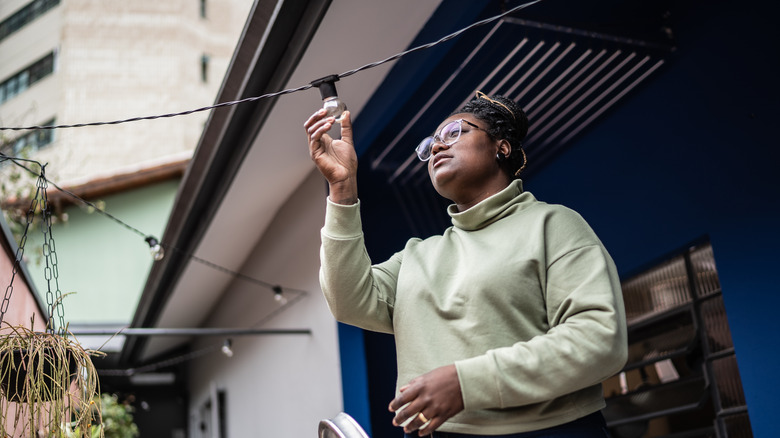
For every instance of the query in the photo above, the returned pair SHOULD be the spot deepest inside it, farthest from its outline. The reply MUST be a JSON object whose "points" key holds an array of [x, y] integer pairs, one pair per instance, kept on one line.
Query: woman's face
{"points": [[469, 165]]}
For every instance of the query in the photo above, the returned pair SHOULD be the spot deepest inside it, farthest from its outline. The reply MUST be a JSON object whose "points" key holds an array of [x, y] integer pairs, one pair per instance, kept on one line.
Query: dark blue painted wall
{"points": [[693, 153], [353, 375]]}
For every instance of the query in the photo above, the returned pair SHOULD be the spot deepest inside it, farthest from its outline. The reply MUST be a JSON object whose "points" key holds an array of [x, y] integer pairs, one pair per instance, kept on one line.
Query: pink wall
{"points": [[22, 305]]}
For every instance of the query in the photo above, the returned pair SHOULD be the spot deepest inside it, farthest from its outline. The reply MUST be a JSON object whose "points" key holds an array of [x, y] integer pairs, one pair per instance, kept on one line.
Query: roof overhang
{"points": [[261, 144]]}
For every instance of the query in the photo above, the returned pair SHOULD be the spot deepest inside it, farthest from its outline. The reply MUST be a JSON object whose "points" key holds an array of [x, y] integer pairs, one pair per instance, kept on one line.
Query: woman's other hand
{"points": [[436, 395], [336, 159]]}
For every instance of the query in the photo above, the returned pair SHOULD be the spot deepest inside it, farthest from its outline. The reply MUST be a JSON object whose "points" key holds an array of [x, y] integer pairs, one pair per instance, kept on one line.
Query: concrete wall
{"points": [[275, 385]]}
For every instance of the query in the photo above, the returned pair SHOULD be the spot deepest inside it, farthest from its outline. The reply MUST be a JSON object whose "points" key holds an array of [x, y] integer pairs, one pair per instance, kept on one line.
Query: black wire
{"points": [[183, 113], [289, 90], [224, 104], [439, 41], [212, 265], [71, 194]]}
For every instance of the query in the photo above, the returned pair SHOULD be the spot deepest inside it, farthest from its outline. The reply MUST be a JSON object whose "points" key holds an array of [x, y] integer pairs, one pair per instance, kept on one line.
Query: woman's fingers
{"points": [[336, 159], [346, 128], [436, 394], [317, 125], [402, 398], [414, 418], [419, 422], [318, 129], [407, 406], [314, 118]]}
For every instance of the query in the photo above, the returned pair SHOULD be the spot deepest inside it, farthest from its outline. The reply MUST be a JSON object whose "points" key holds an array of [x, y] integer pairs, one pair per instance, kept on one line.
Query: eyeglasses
{"points": [[448, 135]]}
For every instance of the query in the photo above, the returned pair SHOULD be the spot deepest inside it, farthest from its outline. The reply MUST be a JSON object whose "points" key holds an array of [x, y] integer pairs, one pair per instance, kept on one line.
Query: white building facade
{"points": [[80, 61]]}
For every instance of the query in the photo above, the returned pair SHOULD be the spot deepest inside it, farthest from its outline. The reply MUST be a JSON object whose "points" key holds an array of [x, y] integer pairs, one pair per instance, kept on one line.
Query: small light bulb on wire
{"points": [[278, 296], [226, 350], [333, 105], [155, 248]]}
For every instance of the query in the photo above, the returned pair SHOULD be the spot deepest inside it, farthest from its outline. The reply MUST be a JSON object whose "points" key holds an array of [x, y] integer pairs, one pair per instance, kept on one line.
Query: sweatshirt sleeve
{"points": [[586, 342], [357, 293]]}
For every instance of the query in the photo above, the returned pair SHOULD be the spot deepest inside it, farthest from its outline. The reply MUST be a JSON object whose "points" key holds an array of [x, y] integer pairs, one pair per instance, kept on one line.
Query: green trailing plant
{"points": [[47, 381]]}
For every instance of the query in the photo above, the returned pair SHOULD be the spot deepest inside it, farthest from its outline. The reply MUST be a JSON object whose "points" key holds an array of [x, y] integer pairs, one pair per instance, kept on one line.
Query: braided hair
{"points": [[505, 120]]}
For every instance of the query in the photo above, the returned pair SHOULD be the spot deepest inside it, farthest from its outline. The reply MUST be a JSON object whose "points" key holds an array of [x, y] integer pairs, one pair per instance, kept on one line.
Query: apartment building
{"points": [[82, 61], [77, 61]]}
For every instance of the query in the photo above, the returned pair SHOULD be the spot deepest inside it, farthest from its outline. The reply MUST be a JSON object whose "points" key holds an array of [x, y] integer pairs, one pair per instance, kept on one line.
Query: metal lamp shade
{"points": [[341, 426]]}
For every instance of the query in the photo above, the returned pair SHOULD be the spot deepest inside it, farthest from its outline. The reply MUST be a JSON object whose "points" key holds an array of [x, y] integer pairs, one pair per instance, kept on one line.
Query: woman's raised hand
{"points": [[335, 158]]}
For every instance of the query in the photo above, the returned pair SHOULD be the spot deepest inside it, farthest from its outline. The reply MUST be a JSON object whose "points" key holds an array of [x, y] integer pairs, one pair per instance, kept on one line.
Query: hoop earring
{"points": [[525, 161]]}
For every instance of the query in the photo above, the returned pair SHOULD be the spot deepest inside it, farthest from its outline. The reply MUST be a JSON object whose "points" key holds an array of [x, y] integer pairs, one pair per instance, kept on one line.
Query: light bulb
{"points": [[226, 350], [157, 252], [278, 296], [334, 107], [155, 248]]}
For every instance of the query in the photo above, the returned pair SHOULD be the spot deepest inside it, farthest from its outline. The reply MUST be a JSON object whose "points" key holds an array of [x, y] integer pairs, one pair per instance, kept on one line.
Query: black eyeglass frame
{"points": [[425, 147]]}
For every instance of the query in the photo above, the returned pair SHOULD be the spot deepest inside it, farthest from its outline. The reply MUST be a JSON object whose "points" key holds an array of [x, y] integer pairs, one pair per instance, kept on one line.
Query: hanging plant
{"points": [[47, 379]]}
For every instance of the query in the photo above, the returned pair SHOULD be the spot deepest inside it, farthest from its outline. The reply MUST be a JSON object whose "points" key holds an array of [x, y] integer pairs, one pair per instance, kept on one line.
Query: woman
{"points": [[505, 324]]}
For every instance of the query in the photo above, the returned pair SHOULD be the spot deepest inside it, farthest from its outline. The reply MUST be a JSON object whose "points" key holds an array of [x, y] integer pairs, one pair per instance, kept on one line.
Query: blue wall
{"points": [[353, 375], [695, 153]]}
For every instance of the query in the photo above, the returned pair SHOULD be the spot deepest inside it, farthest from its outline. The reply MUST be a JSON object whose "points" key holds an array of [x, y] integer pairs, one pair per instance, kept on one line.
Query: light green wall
{"points": [[102, 261]]}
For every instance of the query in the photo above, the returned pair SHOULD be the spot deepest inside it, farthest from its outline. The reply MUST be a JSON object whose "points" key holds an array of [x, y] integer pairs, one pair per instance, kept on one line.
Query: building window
{"points": [[681, 378], [28, 13], [204, 67], [33, 141], [27, 77], [203, 8], [213, 416]]}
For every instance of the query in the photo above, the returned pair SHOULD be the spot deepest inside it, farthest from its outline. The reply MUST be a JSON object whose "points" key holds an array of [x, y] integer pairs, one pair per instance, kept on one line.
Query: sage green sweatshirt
{"points": [[520, 295]]}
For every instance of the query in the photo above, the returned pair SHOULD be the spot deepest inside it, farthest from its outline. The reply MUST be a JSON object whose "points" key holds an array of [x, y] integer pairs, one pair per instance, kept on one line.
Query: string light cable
{"points": [[152, 241], [277, 289], [299, 294], [289, 90]]}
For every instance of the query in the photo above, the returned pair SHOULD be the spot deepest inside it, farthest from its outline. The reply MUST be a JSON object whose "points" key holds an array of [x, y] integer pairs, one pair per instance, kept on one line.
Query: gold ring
{"points": [[422, 417]]}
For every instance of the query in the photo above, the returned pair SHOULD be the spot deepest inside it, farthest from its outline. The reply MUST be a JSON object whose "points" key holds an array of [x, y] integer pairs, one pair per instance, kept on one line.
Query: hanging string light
{"points": [[331, 103], [226, 348], [279, 295], [152, 241], [289, 90], [155, 248]]}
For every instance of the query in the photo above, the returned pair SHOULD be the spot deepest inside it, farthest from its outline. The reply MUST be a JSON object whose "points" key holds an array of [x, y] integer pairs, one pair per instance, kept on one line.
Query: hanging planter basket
{"points": [[47, 380], [35, 367]]}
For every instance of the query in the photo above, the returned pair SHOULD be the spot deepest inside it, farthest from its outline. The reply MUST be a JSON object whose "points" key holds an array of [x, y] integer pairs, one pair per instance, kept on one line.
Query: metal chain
{"points": [[19, 255], [51, 270]]}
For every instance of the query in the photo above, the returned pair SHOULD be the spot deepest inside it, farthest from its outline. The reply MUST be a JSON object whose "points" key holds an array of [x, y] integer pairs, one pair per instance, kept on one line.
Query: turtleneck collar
{"points": [[491, 209]]}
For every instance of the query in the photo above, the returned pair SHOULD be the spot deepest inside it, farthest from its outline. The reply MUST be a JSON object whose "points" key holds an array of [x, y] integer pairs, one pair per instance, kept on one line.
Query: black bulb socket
{"points": [[327, 86]]}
